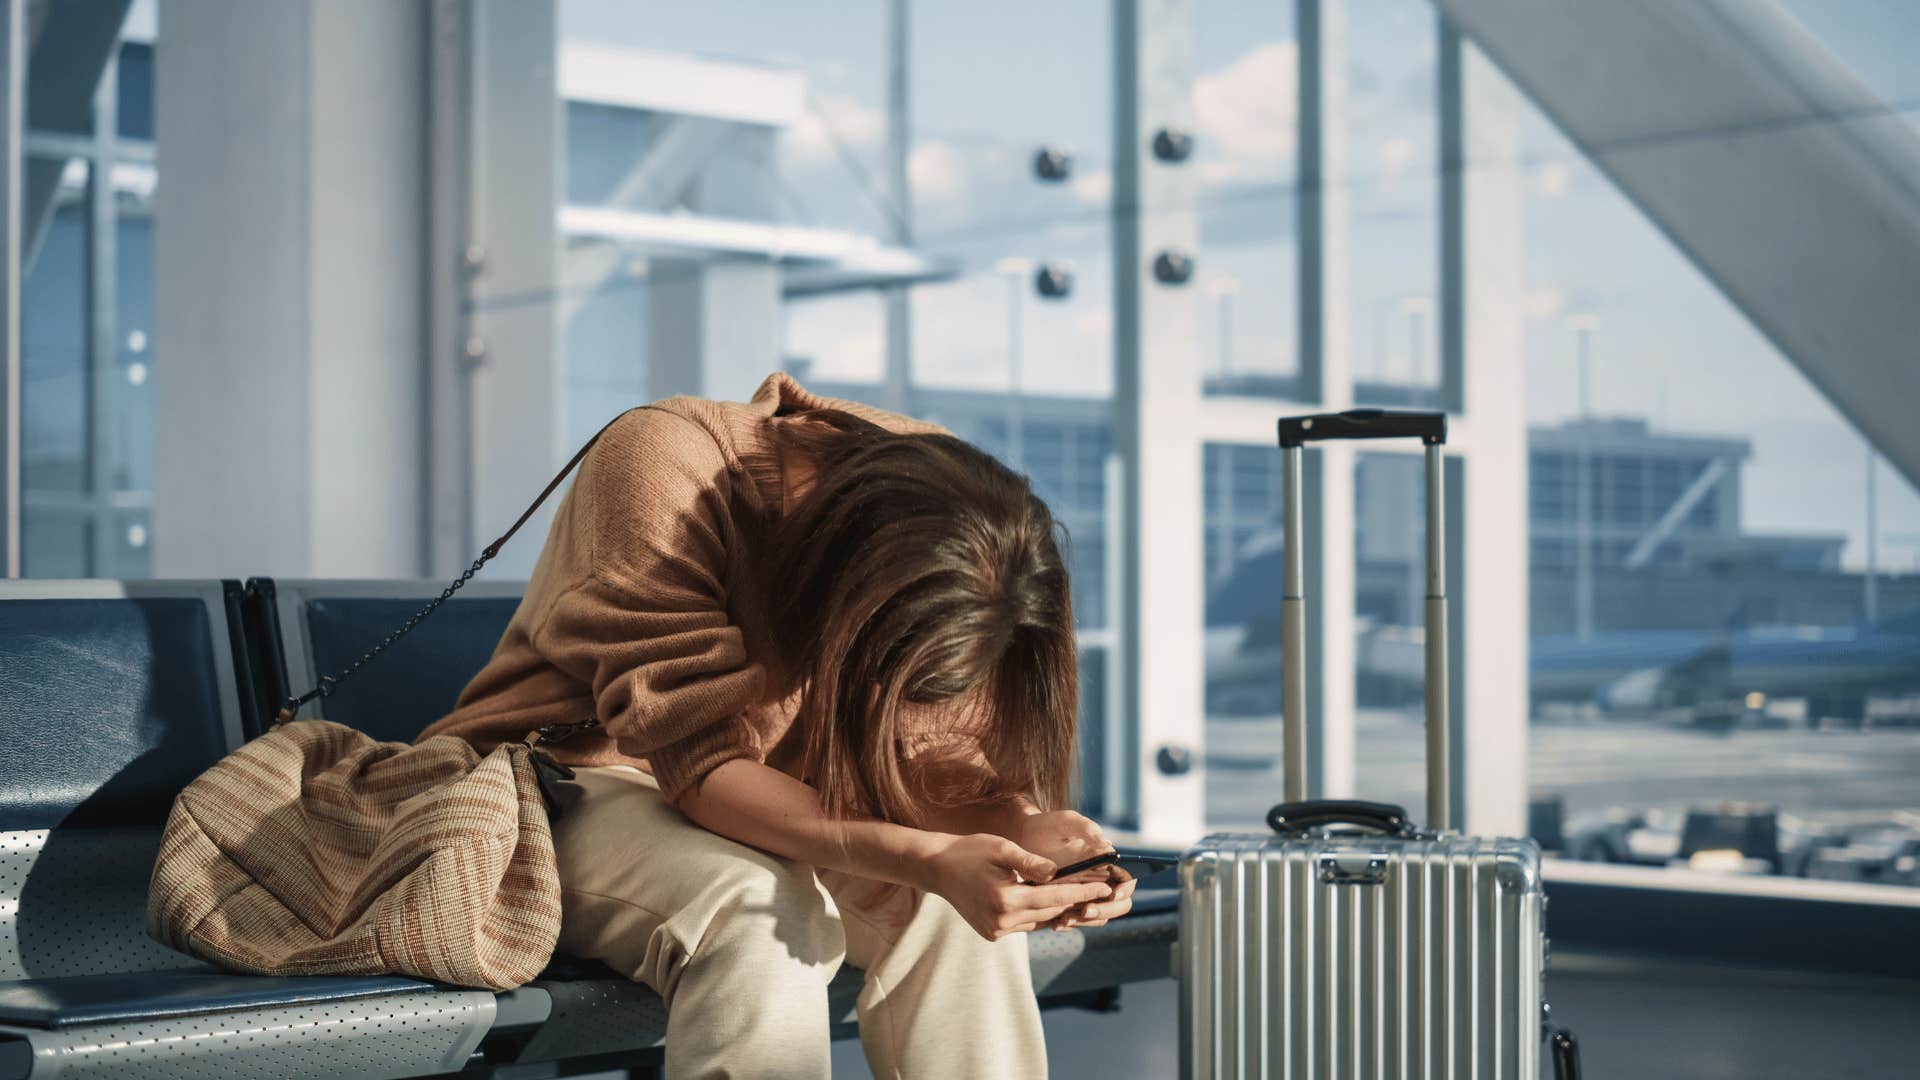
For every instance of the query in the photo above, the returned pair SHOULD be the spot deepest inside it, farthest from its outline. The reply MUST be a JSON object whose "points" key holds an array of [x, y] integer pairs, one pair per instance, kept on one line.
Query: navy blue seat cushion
{"points": [[107, 708], [164, 995], [417, 681]]}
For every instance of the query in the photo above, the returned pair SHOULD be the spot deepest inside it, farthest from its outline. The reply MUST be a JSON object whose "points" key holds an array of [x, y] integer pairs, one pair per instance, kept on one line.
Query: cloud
{"points": [[938, 171], [1551, 179], [808, 144], [1092, 188], [1249, 108]]}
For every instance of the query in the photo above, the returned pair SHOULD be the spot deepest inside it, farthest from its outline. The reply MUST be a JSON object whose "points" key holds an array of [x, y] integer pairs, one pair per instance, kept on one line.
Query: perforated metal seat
{"points": [[112, 697]]}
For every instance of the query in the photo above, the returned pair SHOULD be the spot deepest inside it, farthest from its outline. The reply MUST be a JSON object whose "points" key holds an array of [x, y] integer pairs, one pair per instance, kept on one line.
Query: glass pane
{"points": [[1246, 116], [1390, 614], [1393, 202], [53, 334], [1244, 567], [1025, 374], [136, 90], [54, 543], [603, 339], [733, 116], [130, 552], [130, 442], [1023, 371], [1724, 609]]}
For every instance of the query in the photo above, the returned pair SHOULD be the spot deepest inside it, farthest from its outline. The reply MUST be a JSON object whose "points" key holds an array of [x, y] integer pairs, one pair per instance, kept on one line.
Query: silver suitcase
{"points": [[1348, 942]]}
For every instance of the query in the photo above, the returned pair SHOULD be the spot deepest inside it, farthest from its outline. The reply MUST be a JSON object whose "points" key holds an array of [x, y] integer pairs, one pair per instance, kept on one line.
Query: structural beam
{"points": [[513, 330], [289, 271], [1326, 380], [1792, 187], [13, 80], [1157, 421], [1670, 521]]}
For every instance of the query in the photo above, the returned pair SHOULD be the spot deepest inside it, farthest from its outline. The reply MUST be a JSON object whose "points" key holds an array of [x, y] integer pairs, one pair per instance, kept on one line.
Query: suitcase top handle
{"points": [[1428, 427], [1295, 818]]}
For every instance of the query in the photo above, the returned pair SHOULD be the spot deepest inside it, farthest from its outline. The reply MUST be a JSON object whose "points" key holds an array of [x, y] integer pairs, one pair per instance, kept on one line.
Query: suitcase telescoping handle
{"points": [[1295, 432]]}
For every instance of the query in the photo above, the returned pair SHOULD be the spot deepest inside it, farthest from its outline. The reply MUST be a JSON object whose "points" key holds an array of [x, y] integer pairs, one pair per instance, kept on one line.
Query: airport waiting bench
{"points": [[113, 695]]}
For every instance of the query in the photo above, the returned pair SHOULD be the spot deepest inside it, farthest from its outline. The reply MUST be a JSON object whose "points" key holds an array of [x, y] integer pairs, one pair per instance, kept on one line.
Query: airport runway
{"points": [[1823, 775]]}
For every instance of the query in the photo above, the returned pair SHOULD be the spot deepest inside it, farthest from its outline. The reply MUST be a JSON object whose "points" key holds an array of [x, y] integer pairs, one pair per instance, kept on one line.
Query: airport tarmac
{"points": [[1829, 776]]}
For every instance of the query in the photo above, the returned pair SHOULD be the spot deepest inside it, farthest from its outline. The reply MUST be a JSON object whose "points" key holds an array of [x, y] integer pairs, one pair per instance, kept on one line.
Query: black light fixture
{"points": [[1053, 281], [1172, 145], [1172, 267], [1052, 164]]}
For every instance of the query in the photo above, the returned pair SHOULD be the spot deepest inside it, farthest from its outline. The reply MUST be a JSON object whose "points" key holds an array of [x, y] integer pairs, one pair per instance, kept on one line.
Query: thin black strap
{"points": [[329, 683]]}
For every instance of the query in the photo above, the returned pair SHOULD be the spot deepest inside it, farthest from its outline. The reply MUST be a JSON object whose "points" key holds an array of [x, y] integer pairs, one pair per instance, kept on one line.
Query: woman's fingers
{"points": [[1023, 862], [1061, 896]]}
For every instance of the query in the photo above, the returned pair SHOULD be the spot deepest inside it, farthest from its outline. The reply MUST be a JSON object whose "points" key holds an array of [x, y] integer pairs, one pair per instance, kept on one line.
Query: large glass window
{"points": [[739, 131], [1391, 120], [87, 318], [1725, 614], [1246, 119]]}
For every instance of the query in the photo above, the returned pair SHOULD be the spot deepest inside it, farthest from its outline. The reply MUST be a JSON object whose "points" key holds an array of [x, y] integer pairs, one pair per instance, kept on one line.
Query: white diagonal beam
{"points": [[1791, 186], [1708, 479]]}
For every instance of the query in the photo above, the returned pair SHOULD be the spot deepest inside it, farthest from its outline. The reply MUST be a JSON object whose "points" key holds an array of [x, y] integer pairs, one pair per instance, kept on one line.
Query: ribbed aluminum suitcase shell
{"points": [[1352, 955]]}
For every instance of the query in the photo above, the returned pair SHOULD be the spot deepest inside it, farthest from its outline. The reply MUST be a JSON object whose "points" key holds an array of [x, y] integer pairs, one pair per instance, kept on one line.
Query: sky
{"points": [[992, 81]]}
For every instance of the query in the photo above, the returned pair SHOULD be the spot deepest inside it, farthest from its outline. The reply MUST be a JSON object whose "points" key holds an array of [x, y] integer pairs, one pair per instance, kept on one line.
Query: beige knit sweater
{"points": [[645, 610]]}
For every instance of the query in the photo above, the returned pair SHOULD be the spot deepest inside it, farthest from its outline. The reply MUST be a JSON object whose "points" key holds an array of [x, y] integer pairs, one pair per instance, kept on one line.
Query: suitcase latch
{"points": [[1353, 868]]}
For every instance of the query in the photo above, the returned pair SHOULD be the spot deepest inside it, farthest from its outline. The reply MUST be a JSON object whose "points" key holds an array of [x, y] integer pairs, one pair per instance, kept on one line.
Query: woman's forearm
{"points": [[763, 807]]}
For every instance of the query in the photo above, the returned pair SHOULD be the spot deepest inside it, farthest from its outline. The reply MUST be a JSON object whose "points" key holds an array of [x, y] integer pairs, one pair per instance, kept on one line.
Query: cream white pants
{"points": [[741, 945]]}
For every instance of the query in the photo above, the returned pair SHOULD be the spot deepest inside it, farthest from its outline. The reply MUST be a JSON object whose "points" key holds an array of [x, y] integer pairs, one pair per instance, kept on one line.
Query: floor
{"points": [[1650, 1022]]}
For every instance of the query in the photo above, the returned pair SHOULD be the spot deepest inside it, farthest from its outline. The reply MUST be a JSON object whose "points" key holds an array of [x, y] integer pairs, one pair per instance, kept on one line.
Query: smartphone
{"points": [[1133, 863]]}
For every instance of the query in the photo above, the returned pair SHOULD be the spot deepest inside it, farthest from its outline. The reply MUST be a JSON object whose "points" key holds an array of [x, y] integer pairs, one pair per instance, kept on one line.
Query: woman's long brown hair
{"points": [[919, 571]]}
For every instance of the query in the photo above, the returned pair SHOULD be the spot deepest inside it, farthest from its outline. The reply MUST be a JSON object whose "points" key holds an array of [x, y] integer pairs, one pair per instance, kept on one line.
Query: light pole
{"points": [[1583, 327], [1873, 540], [1017, 271]]}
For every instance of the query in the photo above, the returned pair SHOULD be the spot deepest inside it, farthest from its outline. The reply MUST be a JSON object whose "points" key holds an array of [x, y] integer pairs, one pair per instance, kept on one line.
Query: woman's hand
{"points": [[1097, 912], [1066, 838], [986, 879], [1060, 835]]}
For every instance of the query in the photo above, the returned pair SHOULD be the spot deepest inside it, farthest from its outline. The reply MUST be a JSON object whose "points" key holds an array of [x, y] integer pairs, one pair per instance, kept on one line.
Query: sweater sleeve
{"points": [[646, 624]]}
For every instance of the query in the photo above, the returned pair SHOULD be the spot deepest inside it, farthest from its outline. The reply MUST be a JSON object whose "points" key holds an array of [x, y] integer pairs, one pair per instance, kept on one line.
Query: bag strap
{"points": [[327, 684]]}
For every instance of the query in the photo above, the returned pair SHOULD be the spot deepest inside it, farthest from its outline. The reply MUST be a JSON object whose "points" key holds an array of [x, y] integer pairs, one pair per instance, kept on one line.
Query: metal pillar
{"points": [[289, 289], [513, 333], [447, 529], [13, 80], [1157, 419], [1326, 379], [1487, 548], [897, 388], [103, 370]]}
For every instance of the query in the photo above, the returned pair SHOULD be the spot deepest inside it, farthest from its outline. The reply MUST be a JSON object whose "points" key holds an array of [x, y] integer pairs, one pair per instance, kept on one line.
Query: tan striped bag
{"points": [[314, 850]]}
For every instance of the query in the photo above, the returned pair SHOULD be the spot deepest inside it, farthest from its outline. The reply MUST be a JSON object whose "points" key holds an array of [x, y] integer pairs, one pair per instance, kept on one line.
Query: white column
{"points": [[1157, 416], [13, 81], [289, 287], [1326, 365], [1492, 598], [513, 331]]}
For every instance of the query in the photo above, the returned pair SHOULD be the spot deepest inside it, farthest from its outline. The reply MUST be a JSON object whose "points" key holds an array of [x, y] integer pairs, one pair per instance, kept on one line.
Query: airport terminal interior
{"points": [[302, 302]]}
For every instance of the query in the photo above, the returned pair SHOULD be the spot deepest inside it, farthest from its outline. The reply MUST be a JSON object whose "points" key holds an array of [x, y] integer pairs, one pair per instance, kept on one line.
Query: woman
{"points": [[814, 665]]}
